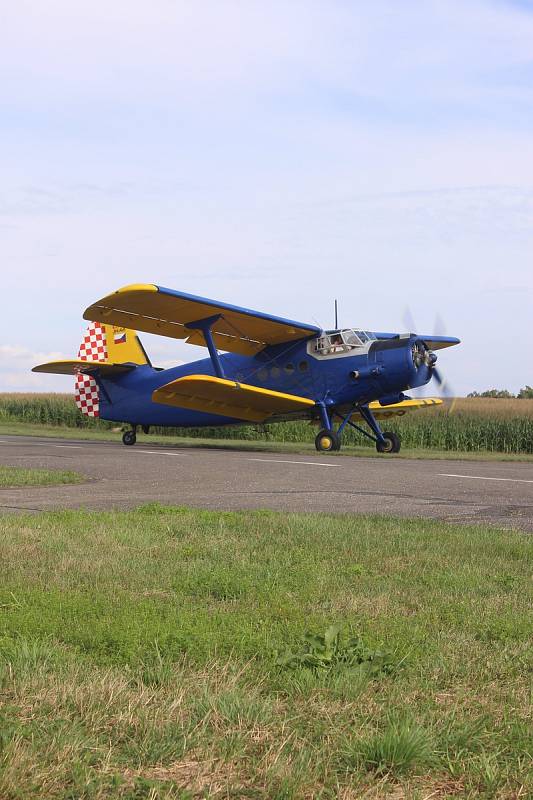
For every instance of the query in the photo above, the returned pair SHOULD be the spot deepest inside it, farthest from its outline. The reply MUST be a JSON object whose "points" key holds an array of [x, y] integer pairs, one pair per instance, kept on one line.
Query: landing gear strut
{"points": [[329, 440]]}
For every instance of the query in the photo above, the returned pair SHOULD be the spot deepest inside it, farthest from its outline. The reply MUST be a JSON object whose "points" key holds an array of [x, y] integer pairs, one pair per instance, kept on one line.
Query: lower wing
{"points": [[236, 400], [228, 398], [399, 409]]}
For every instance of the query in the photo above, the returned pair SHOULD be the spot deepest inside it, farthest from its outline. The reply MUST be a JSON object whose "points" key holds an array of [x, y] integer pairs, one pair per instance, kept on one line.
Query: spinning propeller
{"points": [[422, 355]]}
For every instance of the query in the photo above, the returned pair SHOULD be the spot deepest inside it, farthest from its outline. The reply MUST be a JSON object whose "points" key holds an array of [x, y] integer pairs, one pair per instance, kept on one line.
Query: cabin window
{"points": [[275, 372], [303, 366], [289, 369], [262, 375]]}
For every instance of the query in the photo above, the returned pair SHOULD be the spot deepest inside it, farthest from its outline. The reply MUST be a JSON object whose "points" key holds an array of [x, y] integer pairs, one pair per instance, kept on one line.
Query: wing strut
{"points": [[205, 325]]}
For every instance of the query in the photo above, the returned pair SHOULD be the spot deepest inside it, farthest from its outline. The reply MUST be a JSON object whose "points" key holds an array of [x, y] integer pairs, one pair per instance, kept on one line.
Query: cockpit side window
{"points": [[341, 341], [352, 338]]}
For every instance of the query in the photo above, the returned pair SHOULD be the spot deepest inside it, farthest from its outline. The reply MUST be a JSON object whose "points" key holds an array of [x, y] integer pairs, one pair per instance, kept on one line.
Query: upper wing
{"points": [[439, 342], [399, 409], [154, 309], [74, 365], [432, 342], [228, 398]]}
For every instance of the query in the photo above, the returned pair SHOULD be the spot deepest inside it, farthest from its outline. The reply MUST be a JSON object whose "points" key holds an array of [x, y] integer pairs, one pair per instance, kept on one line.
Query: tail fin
{"points": [[106, 343], [112, 344]]}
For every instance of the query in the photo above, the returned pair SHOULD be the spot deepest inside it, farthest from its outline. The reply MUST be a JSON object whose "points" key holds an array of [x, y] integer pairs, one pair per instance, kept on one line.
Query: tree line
{"points": [[524, 394]]}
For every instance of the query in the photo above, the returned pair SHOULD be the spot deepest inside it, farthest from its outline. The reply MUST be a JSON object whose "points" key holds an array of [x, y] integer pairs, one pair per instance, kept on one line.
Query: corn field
{"points": [[498, 425]]}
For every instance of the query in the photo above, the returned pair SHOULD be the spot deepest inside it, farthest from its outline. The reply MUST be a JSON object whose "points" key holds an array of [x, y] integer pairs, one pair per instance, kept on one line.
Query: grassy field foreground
{"points": [[21, 476], [171, 653]]}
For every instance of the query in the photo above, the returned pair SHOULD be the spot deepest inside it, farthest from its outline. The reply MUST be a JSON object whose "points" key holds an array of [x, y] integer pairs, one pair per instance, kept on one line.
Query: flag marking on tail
{"points": [[119, 335]]}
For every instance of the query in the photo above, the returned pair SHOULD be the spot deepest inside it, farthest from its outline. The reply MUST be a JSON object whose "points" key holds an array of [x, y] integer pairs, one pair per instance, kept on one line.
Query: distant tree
{"points": [[499, 393], [526, 393]]}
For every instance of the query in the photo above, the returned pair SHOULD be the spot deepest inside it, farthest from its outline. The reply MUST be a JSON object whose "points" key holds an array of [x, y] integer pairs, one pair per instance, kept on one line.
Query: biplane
{"points": [[261, 369]]}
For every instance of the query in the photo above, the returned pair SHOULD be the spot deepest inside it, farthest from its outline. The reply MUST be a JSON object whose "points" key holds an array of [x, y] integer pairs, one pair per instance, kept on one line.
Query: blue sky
{"points": [[273, 155]]}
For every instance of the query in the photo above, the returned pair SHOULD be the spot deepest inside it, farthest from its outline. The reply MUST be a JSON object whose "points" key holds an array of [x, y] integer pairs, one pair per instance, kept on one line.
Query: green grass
{"points": [[19, 476], [270, 446], [165, 653]]}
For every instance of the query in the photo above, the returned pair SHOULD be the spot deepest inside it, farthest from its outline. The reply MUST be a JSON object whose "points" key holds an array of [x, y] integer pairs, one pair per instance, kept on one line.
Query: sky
{"points": [[275, 155]]}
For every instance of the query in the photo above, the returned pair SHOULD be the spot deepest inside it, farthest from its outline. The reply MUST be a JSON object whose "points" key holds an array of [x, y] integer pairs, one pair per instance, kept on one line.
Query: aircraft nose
{"points": [[403, 363], [422, 356]]}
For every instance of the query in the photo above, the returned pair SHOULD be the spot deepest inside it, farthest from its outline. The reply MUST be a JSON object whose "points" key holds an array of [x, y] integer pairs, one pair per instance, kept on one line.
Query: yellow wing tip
{"points": [[137, 287], [205, 379], [102, 309]]}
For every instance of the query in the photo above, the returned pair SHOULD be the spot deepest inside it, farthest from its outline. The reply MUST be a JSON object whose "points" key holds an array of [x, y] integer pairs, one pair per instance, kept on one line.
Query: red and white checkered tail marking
{"points": [[86, 395], [94, 345], [92, 348]]}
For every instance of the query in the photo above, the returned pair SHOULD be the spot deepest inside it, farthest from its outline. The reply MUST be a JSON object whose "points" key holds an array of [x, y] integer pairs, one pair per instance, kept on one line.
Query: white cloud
{"points": [[16, 362], [25, 357]]}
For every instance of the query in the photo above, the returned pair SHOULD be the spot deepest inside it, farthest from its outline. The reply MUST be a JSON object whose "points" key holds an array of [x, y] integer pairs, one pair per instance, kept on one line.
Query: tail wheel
{"points": [[129, 437], [391, 444], [327, 441]]}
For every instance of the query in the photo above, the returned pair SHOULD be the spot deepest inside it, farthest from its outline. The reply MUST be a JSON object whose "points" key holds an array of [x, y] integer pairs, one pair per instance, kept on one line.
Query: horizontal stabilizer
{"points": [[74, 366], [399, 409], [228, 398]]}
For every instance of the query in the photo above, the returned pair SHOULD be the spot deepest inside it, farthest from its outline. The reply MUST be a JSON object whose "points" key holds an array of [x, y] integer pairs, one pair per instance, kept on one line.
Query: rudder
{"points": [[124, 346], [104, 343]]}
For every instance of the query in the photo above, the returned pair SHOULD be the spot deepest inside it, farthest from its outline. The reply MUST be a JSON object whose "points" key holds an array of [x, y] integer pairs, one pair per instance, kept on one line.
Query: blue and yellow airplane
{"points": [[271, 369]]}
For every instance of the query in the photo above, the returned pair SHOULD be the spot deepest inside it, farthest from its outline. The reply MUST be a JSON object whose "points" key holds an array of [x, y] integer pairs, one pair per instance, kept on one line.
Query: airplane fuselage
{"points": [[382, 369]]}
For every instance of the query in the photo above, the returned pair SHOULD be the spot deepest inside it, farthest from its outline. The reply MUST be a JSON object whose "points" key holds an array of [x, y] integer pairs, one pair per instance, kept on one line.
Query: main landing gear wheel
{"points": [[391, 444], [129, 437], [327, 441]]}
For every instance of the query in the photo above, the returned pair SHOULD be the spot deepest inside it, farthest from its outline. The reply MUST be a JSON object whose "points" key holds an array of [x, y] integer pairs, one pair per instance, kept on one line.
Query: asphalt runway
{"points": [[497, 492]]}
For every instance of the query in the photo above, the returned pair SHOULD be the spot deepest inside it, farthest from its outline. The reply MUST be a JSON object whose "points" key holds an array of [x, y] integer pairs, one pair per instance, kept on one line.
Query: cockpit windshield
{"points": [[342, 341]]}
